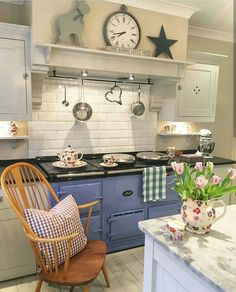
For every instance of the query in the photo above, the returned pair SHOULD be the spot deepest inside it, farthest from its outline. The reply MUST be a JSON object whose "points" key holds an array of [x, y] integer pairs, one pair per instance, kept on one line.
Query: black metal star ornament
{"points": [[162, 43]]}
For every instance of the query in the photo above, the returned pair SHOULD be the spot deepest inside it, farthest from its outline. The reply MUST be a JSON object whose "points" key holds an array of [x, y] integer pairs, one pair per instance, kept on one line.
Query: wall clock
{"points": [[121, 29]]}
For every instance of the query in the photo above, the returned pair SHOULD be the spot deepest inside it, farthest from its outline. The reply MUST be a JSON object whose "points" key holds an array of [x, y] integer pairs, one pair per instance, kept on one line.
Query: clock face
{"points": [[121, 29]]}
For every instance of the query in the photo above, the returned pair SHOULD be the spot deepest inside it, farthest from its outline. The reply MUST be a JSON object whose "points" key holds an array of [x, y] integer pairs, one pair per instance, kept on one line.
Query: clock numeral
{"points": [[132, 41], [112, 31], [117, 19], [113, 24], [123, 19], [134, 34], [133, 27], [112, 38], [117, 43], [129, 21]]}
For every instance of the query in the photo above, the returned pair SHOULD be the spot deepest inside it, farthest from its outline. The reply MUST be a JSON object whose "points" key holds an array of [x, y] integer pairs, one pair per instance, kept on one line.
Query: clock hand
{"points": [[119, 33]]}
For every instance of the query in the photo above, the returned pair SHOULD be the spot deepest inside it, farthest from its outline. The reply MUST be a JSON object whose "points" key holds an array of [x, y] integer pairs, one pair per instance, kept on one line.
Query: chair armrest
{"points": [[90, 206]]}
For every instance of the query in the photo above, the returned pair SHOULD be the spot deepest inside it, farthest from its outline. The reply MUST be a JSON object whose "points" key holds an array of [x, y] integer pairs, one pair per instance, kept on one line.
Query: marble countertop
{"points": [[212, 256]]}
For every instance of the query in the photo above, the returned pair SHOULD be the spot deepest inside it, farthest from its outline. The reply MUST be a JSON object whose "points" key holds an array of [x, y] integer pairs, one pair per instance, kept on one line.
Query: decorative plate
{"points": [[78, 163], [108, 165]]}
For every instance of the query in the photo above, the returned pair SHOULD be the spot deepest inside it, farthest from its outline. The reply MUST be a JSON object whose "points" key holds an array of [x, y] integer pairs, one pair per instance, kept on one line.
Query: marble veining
{"points": [[211, 256]]}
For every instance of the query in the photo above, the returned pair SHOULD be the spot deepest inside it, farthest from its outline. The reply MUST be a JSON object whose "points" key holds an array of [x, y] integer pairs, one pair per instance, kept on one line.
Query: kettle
{"points": [[69, 156]]}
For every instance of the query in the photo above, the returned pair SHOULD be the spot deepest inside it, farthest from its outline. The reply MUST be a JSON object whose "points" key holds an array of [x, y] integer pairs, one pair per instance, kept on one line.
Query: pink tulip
{"points": [[232, 173], [199, 166], [177, 167], [201, 181], [215, 180]]}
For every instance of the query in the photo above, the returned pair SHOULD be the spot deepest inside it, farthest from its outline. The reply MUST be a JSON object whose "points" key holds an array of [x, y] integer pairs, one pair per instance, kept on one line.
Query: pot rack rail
{"points": [[54, 75]]}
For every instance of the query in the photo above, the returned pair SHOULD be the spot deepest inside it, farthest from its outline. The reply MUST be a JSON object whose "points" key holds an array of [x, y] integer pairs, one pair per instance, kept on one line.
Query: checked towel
{"points": [[154, 183]]}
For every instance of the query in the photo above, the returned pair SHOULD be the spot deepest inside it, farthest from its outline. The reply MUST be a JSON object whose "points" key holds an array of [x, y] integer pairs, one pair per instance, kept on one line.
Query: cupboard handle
{"points": [[25, 76], [127, 193], [180, 87]]}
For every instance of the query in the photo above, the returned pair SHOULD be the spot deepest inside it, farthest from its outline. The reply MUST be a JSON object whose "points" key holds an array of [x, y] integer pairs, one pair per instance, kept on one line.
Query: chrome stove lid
{"points": [[120, 157], [152, 155]]}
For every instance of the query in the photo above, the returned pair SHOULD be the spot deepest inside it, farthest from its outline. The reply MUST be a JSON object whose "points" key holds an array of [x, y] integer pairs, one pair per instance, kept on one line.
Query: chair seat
{"points": [[83, 268]]}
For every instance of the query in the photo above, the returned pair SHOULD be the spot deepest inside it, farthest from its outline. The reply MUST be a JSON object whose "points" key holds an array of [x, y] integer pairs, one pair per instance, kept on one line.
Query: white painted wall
{"points": [[111, 128]]}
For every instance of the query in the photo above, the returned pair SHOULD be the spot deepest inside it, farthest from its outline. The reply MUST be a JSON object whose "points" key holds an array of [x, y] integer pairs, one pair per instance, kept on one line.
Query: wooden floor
{"points": [[125, 272]]}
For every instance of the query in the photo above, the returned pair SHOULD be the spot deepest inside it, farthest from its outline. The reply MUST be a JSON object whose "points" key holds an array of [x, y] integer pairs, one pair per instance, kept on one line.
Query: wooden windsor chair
{"points": [[26, 187]]}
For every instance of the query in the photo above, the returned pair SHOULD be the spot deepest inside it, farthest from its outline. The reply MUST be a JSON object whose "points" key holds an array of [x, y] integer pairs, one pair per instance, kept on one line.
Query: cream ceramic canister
{"points": [[69, 156], [200, 215]]}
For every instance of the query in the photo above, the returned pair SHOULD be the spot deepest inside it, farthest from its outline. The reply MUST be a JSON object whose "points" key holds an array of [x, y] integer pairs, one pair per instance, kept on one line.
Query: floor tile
{"points": [[125, 270]]}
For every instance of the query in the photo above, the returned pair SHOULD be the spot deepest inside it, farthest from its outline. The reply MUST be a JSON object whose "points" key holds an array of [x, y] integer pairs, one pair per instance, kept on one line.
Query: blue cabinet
{"points": [[85, 191], [169, 206], [115, 219], [123, 209]]}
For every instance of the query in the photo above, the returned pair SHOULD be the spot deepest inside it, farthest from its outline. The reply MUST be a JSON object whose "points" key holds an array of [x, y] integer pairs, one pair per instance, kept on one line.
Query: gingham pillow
{"points": [[62, 220]]}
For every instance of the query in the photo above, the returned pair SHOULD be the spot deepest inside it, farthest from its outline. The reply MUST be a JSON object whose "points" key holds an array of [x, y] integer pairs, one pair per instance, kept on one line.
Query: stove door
{"points": [[125, 224]]}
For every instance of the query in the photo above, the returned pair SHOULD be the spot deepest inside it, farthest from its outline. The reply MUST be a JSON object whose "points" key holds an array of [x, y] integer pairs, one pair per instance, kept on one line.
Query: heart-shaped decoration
{"points": [[117, 94]]}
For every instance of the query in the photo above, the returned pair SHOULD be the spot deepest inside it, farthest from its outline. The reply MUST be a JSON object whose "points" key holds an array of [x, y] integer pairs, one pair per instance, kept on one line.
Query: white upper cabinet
{"points": [[197, 92], [15, 81], [193, 98]]}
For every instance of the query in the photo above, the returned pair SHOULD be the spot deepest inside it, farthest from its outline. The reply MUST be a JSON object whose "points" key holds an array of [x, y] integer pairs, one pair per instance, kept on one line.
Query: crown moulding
{"points": [[210, 34], [161, 6]]}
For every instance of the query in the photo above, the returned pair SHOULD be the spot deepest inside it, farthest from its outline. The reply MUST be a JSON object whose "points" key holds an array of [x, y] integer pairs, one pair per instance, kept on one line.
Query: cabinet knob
{"points": [[25, 76], [180, 87]]}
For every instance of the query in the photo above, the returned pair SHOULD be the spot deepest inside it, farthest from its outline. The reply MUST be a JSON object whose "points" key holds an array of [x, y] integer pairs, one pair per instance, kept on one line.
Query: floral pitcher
{"points": [[200, 215]]}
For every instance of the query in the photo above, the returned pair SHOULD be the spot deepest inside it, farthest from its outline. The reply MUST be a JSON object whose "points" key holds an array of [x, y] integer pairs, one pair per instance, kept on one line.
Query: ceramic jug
{"points": [[200, 215]]}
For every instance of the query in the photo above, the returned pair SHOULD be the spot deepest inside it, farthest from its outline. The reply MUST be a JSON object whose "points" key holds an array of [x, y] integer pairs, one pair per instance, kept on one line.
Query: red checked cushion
{"points": [[62, 220]]}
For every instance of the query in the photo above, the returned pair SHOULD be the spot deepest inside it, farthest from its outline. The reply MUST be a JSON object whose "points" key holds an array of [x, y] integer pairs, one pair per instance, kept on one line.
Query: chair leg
{"points": [[86, 289], [39, 285], [72, 288], [105, 274]]}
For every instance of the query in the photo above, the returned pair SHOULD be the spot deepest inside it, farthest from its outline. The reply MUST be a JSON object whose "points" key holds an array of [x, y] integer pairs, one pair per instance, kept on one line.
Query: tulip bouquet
{"points": [[201, 183]]}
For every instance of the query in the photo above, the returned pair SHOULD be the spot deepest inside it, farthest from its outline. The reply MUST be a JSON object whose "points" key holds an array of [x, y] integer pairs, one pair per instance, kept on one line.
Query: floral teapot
{"points": [[70, 156]]}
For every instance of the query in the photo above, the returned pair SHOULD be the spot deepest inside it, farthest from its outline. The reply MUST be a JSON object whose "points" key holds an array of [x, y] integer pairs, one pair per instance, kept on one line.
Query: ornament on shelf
{"points": [[71, 24], [162, 43], [13, 129]]}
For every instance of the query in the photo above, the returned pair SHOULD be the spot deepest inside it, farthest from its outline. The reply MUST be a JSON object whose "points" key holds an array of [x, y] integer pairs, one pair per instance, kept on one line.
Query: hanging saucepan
{"points": [[138, 108], [82, 111]]}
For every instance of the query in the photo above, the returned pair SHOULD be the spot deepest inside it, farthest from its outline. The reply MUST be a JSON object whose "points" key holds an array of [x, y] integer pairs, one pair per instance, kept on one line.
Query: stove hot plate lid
{"points": [[152, 155], [120, 157]]}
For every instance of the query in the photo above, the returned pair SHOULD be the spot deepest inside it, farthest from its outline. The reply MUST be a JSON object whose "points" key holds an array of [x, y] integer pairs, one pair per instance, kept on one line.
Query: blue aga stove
{"points": [[119, 190]]}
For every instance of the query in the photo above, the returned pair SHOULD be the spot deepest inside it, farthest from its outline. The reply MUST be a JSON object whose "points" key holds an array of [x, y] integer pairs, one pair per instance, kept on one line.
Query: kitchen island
{"points": [[198, 263]]}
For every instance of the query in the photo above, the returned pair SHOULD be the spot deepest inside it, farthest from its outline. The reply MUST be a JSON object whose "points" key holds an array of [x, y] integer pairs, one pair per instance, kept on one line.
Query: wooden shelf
{"points": [[46, 55], [13, 139], [176, 134]]}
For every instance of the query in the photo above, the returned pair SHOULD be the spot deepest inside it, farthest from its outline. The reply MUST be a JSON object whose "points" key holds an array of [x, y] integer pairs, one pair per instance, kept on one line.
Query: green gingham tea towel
{"points": [[154, 183]]}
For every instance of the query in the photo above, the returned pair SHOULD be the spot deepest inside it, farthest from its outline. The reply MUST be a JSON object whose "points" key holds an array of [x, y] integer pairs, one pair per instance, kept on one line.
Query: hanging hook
{"points": [[139, 92]]}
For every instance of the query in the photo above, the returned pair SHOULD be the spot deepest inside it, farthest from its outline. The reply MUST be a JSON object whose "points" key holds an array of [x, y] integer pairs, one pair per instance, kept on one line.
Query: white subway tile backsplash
{"points": [[112, 127]]}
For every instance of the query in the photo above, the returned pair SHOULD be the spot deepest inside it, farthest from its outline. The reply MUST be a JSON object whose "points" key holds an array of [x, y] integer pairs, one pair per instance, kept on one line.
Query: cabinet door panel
{"points": [[83, 194], [197, 94], [161, 211], [95, 227], [125, 224], [12, 83], [123, 192]]}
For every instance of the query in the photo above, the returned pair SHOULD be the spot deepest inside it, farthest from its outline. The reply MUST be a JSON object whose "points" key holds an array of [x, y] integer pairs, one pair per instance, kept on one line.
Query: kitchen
{"points": [[47, 126]]}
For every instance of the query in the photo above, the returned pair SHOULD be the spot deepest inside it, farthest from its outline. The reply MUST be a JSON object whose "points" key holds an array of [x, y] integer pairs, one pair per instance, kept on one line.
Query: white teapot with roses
{"points": [[199, 188]]}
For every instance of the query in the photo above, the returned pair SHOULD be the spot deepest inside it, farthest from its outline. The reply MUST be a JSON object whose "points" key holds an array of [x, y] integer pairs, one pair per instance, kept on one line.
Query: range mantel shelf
{"points": [[99, 62]]}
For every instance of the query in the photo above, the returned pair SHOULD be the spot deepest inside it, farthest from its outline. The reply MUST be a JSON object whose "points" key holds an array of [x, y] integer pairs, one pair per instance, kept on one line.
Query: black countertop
{"points": [[95, 170]]}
